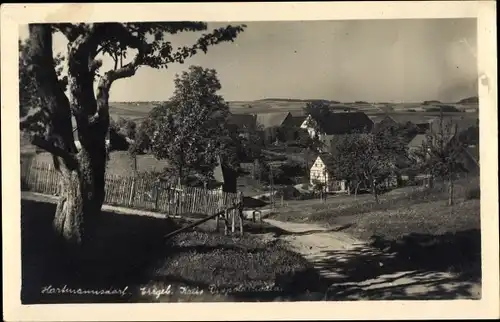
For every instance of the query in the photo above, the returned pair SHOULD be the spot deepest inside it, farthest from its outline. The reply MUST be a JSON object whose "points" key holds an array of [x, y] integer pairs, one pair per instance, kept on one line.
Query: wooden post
{"points": [[233, 219], [157, 196], [226, 217], [240, 211], [132, 193], [217, 223]]}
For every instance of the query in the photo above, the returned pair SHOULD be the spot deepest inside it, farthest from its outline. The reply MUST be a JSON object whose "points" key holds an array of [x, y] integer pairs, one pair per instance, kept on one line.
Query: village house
{"points": [[421, 122], [273, 124], [334, 124], [225, 177], [242, 124], [322, 172], [461, 123], [292, 130], [468, 156]]}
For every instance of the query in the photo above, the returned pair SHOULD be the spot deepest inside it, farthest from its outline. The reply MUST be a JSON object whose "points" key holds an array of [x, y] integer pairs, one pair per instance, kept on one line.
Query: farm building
{"points": [[225, 177], [421, 122], [272, 123], [469, 156], [337, 123], [461, 123], [241, 123], [291, 131], [321, 171]]}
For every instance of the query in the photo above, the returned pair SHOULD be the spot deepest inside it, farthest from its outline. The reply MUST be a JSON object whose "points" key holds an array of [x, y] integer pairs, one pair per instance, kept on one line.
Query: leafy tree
{"points": [[49, 123], [312, 147], [439, 154], [317, 109], [190, 131], [367, 158], [250, 145]]}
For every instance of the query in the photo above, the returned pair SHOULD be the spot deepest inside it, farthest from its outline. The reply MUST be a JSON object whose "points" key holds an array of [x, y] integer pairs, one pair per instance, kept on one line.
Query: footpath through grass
{"points": [[416, 225], [130, 261]]}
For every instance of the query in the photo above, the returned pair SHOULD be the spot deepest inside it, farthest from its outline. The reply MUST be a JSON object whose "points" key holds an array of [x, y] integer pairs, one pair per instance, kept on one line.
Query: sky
{"points": [[353, 60]]}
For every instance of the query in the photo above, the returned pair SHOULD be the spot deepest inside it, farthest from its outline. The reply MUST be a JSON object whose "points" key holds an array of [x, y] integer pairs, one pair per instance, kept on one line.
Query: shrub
{"points": [[473, 193]]}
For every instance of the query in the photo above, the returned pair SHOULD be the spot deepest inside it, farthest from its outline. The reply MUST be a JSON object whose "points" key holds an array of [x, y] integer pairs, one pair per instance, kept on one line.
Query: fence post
{"points": [[240, 211], [157, 195], [132, 193], [233, 215], [226, 217]]}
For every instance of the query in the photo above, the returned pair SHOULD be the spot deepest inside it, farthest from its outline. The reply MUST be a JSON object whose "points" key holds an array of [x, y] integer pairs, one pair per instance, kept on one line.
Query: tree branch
{"points": [[68, 157]]}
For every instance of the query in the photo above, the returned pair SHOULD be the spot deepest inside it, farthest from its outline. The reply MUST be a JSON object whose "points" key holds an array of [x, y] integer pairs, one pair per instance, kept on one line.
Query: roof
{"points": [[376, 118], [463, 123], [328, 160], [473, 151], [419, 139], [343, 123], [296, 121], [226, 176], [268, 120], [470, 159], [242, 121], [415, 119]]}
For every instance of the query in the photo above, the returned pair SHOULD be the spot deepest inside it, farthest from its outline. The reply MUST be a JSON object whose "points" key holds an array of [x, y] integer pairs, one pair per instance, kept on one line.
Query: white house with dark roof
{"points": [[321, 171]]}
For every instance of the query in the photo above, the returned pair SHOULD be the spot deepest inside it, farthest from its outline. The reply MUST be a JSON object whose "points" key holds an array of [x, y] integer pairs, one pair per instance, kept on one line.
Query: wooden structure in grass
{"points": [[226, 177]]}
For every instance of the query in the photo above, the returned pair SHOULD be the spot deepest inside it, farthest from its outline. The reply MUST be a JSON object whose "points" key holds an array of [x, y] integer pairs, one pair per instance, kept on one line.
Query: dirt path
{"points": [[358, 271]]}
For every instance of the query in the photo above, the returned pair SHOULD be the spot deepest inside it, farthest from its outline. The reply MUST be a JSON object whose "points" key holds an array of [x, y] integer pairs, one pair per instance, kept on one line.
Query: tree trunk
{"points": [[81, 200], [84, 185], [83, 171], [450, 192], [374, 192], [356, 189]]}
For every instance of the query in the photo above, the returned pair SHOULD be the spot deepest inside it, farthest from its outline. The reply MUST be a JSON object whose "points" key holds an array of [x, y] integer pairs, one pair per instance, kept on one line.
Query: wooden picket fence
{"points": [[142, 192]]}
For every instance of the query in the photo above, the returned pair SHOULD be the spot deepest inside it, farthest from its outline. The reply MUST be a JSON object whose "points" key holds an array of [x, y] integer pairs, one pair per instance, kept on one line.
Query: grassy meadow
{"points": [[130, 253]]}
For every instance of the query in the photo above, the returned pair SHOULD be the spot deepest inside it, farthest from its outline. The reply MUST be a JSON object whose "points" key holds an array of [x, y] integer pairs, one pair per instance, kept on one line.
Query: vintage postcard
{"points": [[303, 160]]}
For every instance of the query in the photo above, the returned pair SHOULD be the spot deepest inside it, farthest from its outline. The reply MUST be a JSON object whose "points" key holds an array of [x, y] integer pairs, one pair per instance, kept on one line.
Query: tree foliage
{"points": [[87, 43], [367, 158], [317, 109], [190, 130], [440, 154], [47, 111], [33, 118], [250, 144]]}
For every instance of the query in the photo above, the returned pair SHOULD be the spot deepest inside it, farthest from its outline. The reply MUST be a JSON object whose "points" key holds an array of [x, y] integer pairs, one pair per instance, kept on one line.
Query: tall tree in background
{"points": [[312, 148], [190, 131], [48, 117], [317, 109], [439, 154]]}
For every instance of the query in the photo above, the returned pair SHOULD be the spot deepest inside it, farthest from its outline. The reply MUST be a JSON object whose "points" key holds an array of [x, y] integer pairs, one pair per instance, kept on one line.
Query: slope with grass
{"points": [[130, 255], [410, 246]]}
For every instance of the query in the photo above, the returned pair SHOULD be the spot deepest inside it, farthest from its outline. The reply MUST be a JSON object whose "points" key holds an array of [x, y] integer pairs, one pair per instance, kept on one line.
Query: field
{"points": [[139, 110], [119, 163]]}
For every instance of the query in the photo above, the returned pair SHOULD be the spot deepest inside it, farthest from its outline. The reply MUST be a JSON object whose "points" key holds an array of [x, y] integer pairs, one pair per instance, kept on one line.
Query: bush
{"points": [[473, 193]]}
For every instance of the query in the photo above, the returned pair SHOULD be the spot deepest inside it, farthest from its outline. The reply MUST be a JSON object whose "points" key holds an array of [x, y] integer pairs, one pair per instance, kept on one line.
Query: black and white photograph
{"points": [[244, 160]]}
